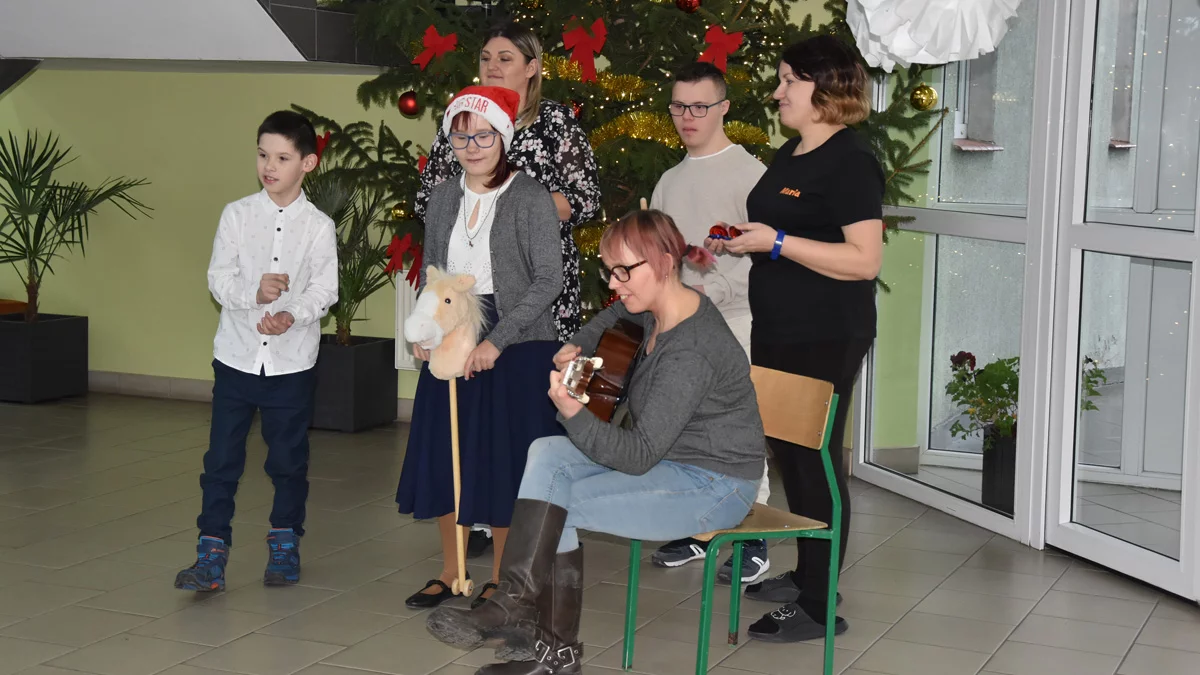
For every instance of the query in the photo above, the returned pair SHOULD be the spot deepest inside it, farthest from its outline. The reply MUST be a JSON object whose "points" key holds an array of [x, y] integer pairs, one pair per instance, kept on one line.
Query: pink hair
{"points": [[652, 236]]}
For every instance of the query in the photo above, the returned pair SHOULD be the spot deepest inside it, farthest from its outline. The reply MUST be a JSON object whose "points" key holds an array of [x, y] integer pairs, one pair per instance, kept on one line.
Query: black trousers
{"points": [[800, 468], [286, 404]]}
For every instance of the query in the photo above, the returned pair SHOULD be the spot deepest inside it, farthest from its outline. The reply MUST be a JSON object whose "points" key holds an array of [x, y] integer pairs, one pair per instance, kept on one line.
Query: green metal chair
{"points": [[796, 409]]}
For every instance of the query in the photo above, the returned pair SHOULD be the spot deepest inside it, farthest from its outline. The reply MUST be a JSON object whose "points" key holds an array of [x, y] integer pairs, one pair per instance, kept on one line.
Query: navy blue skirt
{"points": [[500, 413]]}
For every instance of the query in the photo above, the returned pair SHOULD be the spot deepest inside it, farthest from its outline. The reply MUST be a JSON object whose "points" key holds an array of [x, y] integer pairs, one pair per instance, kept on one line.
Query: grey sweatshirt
{"points": [[691, 401]]}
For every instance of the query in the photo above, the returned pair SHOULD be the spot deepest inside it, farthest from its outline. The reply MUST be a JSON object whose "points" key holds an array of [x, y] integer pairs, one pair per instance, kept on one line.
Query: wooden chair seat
{"points": [[765, 519]]}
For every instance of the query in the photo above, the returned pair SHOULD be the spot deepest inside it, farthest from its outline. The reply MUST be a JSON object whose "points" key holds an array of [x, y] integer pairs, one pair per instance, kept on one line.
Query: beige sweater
{"points": [[698, 193]]}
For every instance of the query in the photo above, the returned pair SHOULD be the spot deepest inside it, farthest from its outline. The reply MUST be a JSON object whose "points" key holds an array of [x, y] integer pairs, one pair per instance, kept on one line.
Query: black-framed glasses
{"points": [[483, 139], [697, 109], [621, 272]]}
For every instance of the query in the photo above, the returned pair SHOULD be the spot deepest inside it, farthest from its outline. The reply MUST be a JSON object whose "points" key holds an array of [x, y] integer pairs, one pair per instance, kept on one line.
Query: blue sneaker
{"points": [[283, 569], [208, 574], [754, 563]]}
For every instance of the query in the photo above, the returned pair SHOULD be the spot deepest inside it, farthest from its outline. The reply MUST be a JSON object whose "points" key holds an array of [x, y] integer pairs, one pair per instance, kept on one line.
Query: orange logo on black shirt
{"points": [[791, 192]]}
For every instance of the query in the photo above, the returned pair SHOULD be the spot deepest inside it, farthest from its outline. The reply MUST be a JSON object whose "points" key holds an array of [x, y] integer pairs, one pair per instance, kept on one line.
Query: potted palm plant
{"points": [[356, 184], [45, 356]]}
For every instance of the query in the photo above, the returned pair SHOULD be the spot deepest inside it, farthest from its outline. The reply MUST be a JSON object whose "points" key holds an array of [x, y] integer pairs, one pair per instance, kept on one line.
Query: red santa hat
{"points": [[497, 105]]}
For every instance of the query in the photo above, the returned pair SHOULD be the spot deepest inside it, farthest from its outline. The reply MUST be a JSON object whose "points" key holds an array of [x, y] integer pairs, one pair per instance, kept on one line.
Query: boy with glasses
{"points": [[707, 188]]}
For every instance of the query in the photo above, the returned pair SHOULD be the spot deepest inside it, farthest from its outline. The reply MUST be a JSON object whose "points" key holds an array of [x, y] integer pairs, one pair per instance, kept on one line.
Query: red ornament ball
{"points": [[688, 6], [408, 104], [577, 108]]}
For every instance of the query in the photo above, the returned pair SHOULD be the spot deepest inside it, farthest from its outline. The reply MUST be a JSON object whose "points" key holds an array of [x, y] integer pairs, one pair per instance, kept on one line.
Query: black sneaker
{"points": [[679, 552], [478, 543], [754, 563], [791, 624]]}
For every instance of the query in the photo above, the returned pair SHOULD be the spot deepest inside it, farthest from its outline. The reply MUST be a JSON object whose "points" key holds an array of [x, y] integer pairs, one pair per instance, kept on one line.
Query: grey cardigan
{"points": [[526, 252]]}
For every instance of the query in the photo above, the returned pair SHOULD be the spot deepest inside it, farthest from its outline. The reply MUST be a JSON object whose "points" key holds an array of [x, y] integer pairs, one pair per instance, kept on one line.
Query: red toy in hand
{"points": [[721, 232]]}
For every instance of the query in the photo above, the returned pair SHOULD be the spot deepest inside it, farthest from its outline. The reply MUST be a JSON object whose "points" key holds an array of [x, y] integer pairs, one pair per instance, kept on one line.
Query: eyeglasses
{"points": [[697, 109], [621, 272], [483, 139]]}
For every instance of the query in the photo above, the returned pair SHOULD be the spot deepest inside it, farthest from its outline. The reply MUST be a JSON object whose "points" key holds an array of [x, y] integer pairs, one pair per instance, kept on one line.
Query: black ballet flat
{"points": [[422, 600], [479, 599]]}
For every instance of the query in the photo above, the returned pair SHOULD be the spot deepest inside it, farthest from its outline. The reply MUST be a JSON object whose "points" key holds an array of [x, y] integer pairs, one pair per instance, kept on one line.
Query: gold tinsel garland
{"points": [[743, 133], [622, 87], [587, 238], [649, 126]]}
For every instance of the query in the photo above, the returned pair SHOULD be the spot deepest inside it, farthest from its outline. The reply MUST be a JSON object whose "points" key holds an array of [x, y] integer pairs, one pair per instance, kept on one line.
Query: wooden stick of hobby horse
{"points": [[461, 585]]}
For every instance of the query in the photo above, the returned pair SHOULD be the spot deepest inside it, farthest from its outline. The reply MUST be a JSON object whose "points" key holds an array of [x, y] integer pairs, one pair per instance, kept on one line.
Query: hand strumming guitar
{"points": [[566, 404], [565, 356]]}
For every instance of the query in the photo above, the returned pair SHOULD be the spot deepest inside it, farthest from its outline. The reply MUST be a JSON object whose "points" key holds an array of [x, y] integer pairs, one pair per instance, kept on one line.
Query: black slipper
{"points": [[423, 600], [791, 624], [479, 599]]}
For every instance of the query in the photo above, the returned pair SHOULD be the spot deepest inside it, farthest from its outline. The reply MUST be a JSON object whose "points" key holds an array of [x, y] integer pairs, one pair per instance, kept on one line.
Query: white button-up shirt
{"points": [[256, 237]]}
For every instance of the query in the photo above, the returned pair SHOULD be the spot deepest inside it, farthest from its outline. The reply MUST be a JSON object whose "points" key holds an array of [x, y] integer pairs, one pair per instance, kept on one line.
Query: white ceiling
{"points": [[195, 30]]}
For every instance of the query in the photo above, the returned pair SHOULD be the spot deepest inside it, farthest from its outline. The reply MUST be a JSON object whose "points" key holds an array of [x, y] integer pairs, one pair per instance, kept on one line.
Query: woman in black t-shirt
{"points": [[817, 245]]}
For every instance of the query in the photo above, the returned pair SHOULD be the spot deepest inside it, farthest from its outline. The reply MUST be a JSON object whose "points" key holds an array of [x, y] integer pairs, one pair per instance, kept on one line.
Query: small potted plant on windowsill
{"points": [[45, 356], [988, 397]]}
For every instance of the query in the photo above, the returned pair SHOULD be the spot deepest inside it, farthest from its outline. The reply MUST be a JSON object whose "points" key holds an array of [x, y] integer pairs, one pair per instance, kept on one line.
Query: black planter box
{"points": [[999, 470], [356, 385], [44, 360]]}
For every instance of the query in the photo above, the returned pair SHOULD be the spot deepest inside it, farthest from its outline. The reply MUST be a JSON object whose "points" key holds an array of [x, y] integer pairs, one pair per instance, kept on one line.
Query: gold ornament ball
{"points": [[400, 211], [923, 98], [531, 4]]}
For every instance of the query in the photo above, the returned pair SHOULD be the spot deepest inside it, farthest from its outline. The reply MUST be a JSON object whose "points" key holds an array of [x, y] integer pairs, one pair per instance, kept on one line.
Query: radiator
{"points": [[406, 299]]}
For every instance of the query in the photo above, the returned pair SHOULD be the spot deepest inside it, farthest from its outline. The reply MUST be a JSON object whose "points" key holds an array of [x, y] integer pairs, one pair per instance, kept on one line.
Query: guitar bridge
{"points": [[578, 375]]}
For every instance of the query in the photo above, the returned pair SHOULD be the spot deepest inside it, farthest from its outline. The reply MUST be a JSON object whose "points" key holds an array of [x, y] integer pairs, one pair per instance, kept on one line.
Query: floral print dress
{"points": [[555, 151]]}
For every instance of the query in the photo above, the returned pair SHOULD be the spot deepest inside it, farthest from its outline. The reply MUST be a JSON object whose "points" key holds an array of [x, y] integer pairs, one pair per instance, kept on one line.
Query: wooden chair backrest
{"points": [[794, 408]]}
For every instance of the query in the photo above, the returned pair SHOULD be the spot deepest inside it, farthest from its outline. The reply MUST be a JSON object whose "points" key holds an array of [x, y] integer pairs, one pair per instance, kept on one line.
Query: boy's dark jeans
{"points": [[286, 403]]}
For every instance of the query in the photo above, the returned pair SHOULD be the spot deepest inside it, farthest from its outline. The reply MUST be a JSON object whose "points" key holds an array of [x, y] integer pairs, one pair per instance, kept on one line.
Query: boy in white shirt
{"points": [[274, 272], [707, 188]]}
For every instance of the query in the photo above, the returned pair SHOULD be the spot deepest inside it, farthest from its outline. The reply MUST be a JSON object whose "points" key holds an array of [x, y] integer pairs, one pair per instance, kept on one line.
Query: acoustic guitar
{"points": [[599, 381]]}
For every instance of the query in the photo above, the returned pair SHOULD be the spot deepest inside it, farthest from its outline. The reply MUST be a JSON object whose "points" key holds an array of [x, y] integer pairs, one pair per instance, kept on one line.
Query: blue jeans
{"points": [[286, 405], [670, 501]]}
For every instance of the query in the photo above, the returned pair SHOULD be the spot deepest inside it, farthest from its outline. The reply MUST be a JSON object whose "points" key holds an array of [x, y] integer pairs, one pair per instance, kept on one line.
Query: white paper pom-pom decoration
{"points": [[930, 32]]}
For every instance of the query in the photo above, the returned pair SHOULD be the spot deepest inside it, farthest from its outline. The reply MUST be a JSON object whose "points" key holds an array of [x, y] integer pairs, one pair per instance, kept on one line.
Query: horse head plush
{"points": [[447, 321]]}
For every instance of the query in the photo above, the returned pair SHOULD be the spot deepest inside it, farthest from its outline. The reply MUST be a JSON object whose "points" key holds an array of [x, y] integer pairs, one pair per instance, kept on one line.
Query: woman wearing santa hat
{"points": [[548, 144], [500, 225]]}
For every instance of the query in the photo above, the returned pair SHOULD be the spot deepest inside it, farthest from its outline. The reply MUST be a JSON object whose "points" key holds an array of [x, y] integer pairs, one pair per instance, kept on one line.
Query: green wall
{"points": [[191, 134], [143, 283]]}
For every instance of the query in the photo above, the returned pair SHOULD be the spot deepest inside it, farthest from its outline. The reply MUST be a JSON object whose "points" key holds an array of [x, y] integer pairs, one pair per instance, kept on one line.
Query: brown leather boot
{"points": [[510, 614], [556, 649]]}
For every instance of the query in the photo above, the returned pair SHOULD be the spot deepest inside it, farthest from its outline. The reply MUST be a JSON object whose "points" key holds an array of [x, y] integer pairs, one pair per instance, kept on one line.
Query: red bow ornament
{"points": [[585, 46], [322, 141], [720, 46], [395, 253], [435, 45]]}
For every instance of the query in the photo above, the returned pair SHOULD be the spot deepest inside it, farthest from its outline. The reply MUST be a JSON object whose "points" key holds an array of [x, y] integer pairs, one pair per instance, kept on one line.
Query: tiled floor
{"points": [[98, 499], [1145, 517]]}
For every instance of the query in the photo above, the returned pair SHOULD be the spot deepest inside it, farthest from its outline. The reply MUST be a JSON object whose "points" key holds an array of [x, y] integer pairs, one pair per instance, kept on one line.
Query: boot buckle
{"points": [[555, 659]]}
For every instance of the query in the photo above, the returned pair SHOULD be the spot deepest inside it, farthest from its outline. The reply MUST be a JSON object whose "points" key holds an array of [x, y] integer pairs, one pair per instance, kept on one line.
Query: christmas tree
{"points": [[613, 62]]}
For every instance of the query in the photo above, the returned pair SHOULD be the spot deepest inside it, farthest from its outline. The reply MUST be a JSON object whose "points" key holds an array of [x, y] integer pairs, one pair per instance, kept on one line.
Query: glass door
{"points": [[1125, 428]]}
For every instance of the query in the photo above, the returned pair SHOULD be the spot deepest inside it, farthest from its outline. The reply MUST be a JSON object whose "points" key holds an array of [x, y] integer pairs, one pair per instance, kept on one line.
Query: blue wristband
{"points": [[779, 235]]}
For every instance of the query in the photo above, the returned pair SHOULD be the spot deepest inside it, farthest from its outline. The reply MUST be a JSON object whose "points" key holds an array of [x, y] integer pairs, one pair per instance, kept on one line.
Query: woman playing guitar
{"points": [[690, 452]]}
